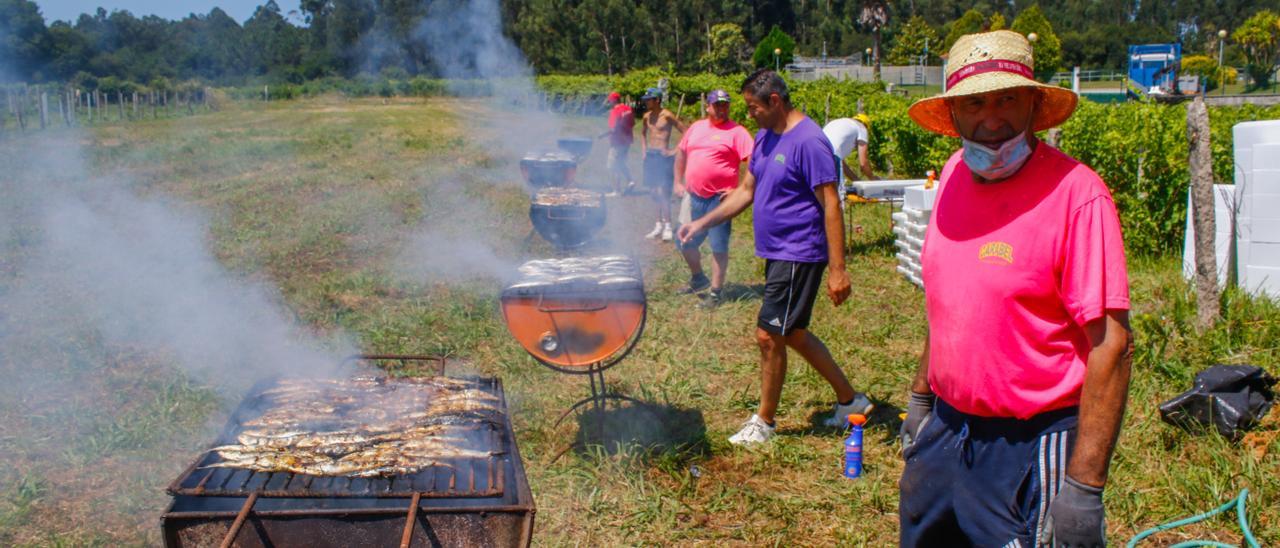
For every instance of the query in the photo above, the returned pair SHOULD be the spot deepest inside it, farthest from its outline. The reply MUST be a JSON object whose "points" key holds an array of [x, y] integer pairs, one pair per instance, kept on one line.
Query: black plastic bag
{"points": [[1231, 398]]}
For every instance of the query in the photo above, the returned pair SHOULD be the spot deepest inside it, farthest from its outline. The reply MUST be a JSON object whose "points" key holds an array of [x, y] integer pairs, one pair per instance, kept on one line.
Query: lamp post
{"points": [[1222, 36], [866, 58], [777, 53]]}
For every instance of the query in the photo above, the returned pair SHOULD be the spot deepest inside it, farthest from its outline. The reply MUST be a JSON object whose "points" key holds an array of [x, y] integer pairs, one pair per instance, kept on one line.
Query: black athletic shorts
{"points": [[790, 289]]}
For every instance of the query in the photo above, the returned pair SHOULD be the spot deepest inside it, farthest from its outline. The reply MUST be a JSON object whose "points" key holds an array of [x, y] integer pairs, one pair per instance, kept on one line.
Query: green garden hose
{"points": [[1237, 503]]}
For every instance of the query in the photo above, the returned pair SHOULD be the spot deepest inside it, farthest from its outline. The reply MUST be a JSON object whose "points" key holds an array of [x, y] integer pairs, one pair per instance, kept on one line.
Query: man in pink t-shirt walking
{"points": [[1021, 390], [708, 160]]}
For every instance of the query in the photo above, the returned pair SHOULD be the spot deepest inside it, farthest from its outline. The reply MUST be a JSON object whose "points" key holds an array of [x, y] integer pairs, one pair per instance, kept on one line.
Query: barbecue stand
{"points": [[468, 504], [579, 316]]}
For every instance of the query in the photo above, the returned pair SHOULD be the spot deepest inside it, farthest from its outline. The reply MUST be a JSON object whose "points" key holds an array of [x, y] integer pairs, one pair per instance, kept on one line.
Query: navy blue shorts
{"points": [[719, 234], [659, 171], [977, 481]]}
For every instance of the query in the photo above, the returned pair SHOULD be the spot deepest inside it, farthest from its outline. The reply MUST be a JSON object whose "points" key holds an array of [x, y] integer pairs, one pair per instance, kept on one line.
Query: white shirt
{"points": [[844, 134]]}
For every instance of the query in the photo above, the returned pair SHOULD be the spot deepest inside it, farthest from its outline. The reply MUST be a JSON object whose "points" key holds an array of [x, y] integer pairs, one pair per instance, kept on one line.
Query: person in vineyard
{"points": [[846, 135], [621, 133], [659, 159], [791, 187], [1017, 404], [708, 161]]}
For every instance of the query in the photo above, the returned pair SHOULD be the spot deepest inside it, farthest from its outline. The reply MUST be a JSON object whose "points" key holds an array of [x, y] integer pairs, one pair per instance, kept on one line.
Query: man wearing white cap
{"points": [[1021, 390]]}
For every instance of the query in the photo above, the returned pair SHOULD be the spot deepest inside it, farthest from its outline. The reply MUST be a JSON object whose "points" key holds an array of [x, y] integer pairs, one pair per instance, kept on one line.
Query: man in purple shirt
{"points": [[791, 186]]}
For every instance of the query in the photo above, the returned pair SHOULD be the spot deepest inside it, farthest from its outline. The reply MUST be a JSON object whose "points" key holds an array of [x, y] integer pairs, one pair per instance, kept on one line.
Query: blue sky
{"points": [[169, 9]]}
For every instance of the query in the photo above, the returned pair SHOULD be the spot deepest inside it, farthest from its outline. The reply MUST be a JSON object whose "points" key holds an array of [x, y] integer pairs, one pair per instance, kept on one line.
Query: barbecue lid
{"points": [[566, 196], [618, 276]]}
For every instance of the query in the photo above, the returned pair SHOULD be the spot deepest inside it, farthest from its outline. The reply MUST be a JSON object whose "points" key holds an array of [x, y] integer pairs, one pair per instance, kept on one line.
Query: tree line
{"points": [[348, 38]]}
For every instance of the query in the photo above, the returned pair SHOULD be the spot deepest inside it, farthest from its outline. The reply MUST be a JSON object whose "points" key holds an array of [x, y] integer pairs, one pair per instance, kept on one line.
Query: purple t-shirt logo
{"points": [[787, 216]]}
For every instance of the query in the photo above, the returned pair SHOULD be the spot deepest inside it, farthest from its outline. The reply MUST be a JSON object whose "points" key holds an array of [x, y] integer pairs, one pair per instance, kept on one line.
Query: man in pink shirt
{"points": [[708, 159], [1017, 405]]}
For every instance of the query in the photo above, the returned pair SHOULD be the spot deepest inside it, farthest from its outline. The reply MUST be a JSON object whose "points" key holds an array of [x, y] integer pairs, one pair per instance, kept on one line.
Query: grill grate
{"points": [[456, 478]]}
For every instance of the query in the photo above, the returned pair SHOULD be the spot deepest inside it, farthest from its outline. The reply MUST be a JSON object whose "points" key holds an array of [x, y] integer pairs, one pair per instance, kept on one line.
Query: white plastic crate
{"points": [[1258, 228], [1223, 201], [1265, 255], [883, 190], [917, 197]]}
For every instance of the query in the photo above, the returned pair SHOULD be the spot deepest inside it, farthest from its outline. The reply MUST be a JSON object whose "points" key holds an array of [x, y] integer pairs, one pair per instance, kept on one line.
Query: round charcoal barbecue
{"points": [[542, 169], [567, 217], [578, 315]]}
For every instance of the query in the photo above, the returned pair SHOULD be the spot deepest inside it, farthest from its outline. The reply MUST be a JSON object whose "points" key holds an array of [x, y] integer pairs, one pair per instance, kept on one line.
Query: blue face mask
{"points": [[994, 164]]}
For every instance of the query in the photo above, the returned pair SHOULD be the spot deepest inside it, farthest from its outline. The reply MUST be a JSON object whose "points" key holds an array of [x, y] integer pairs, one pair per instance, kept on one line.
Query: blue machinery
{"points": [[1152, 67]]}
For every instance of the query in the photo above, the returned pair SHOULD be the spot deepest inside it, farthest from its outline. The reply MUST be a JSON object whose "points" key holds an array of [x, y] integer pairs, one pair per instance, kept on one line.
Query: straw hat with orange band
{"points": [[986, 62]]}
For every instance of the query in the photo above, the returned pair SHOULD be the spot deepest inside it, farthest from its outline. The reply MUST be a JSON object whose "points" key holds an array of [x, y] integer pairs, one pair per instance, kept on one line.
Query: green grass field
{"points": [[319, 197]]}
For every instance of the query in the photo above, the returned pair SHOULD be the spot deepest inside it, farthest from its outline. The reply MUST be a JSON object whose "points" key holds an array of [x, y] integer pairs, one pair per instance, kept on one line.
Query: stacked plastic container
{"points": [[1224, 202], [1257, 163], [909, 226]]}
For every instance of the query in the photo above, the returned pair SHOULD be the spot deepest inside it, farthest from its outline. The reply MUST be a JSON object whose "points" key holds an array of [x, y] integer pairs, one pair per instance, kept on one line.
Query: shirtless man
{"points": [[659, 159]]}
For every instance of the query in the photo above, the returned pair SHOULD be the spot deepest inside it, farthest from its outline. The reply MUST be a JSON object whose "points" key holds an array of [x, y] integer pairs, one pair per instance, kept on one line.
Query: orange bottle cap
{"points": [[857, 420]]}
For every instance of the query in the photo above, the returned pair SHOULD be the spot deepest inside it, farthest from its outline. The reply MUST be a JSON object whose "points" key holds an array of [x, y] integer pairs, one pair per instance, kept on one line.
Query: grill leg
{"points": [[239, 522], [597, 399], [407, 538]]}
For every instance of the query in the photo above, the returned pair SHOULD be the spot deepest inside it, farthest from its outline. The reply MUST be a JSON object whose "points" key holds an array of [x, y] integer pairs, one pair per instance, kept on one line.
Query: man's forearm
{"points": [[678, 176], [1102, 401], [920, 384], [864, 163], [730, 206], [834, 221], [849, 175]]}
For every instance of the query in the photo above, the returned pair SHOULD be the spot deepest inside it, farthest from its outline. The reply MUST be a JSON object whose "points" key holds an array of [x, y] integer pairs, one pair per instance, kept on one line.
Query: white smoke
{"points": [[82, 248], [466, 44]]}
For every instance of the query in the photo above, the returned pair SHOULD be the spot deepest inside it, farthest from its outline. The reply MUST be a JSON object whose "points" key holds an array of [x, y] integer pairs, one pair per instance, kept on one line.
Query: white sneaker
{"points": [[840, 416], [666, 232], [754, 431], [657, 231]]}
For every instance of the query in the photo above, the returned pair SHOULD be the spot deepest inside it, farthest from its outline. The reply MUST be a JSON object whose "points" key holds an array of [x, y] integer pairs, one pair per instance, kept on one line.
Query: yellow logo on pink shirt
{"points": [[996, 253]]}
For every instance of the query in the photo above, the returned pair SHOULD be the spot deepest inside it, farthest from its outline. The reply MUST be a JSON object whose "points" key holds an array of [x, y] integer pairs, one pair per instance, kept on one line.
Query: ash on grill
{"points": [[345, 462]]}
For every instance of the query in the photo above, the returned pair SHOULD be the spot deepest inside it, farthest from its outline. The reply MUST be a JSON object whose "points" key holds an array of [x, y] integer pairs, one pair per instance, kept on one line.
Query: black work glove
{"points": [[919, 409], [1075, 517]]}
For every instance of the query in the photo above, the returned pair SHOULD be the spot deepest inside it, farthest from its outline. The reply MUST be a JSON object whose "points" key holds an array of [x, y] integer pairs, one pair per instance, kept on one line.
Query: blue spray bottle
{"points": [[853, 447]]}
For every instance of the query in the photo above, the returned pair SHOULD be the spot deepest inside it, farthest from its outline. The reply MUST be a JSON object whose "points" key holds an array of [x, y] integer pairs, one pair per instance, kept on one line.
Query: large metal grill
{"points": [[462, 501]]}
